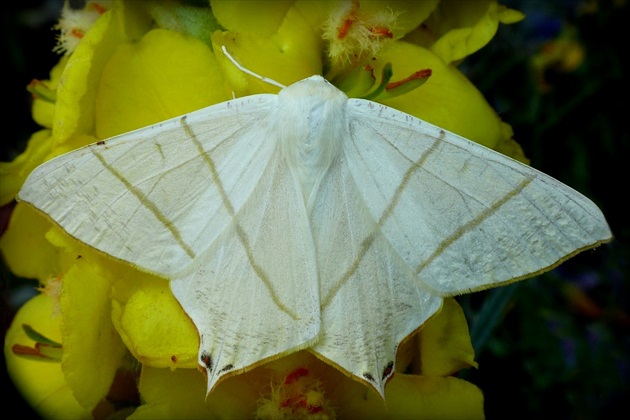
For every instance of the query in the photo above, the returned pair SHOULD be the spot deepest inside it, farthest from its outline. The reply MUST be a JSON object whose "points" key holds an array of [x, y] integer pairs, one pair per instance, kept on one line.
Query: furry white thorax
{"points": [[311, 120]]}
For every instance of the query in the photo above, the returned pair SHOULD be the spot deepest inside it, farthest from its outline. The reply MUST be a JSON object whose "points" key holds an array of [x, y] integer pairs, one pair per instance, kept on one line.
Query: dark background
{"points": [[26, 53], [554, 346], [561, 344]]}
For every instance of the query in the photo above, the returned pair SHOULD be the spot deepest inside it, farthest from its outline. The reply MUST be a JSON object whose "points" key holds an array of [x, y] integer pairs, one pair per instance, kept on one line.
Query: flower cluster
{"points": [[115, 340]]}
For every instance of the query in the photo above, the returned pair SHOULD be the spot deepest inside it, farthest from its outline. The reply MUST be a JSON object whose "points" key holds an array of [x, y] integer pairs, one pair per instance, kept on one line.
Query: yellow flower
{"points": [[128, 64]]}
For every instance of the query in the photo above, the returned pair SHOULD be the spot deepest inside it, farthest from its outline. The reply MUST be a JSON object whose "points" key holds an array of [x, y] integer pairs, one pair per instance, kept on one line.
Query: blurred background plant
{"points": [[562, 343], [554, 346]]}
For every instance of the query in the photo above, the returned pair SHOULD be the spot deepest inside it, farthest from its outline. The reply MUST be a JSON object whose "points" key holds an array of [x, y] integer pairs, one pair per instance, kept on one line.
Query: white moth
{"points": [[307, 220]]}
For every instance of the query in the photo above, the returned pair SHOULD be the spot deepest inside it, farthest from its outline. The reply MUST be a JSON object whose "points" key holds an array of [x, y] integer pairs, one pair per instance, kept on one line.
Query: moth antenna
{"points": [[251, 73]]}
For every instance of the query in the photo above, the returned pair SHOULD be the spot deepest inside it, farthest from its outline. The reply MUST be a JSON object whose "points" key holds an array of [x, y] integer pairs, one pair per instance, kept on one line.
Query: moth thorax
{"points": [[311, 134]]}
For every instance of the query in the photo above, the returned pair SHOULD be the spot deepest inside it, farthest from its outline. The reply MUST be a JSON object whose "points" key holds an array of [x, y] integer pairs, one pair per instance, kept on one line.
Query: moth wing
{"points": [[411, 213], [254, 294], [370, 298], [462, 216], [205, 201], [150, 197]]}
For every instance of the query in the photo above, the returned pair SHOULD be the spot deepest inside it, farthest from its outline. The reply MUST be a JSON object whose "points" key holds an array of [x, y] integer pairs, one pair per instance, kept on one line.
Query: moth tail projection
{"points": [[371, 298], [253, 294], [213, 371], [217, 370]]}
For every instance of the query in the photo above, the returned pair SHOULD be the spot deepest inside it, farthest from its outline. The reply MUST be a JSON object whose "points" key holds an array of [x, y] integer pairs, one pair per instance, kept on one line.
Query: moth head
{"points": [[315, 87]]}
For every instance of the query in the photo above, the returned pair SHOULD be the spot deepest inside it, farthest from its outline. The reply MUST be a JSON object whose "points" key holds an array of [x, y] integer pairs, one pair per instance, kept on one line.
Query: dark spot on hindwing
{"points": [[387, 372], [206, 361], [226, 368], [368, 376]]}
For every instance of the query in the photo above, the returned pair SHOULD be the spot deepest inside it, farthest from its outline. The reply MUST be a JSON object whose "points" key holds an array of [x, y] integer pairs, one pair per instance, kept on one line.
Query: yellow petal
{"points": [[181, 393], [316, 13], [411, 396], [448, 99], [74, 112], [73, 142], [24, 246], [164, 75], [38, 150], [93, 350], [406, 396], [293, 53], [70, 250], [444, 344], [14, 173], [508, 146], [76, 94], [166, 338], [421, 397], [261, 18], [42, 384], [471, 25]]}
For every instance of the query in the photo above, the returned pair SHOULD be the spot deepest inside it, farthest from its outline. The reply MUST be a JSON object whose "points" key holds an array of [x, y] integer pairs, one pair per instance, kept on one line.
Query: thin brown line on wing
{"points": [[242, 235], [369, 239], [472, 223], [148, 204]]}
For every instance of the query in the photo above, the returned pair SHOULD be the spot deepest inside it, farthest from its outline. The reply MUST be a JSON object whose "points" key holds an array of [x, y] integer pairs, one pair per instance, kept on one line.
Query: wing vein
{"points": [[240, 232], [471, 224], [367, 242], [144, 200]]}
